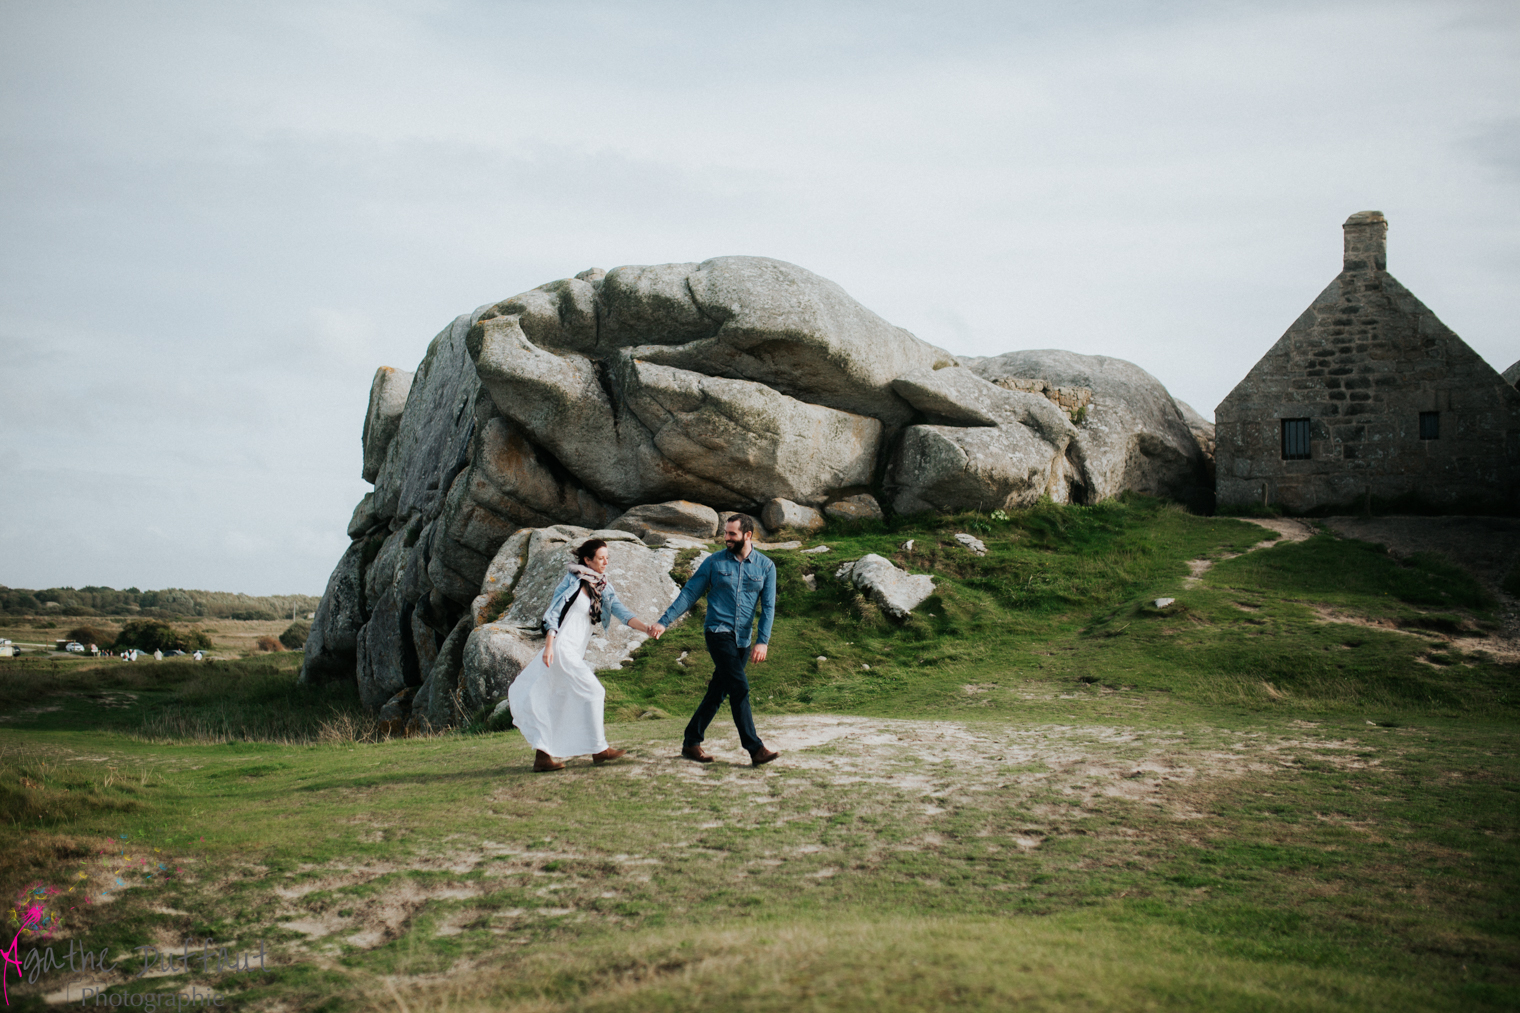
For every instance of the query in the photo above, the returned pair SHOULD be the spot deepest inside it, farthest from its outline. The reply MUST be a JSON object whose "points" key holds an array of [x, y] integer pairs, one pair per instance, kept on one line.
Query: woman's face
{"points": [[599, 561]]}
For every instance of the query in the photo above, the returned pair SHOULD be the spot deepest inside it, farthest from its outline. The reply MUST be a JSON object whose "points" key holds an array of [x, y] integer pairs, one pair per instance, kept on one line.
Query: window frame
{"points": [[1308, 445]]}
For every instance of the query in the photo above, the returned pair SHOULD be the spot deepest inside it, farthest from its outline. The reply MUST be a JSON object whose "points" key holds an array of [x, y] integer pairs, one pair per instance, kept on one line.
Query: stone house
{"points": [[1369, 395]]}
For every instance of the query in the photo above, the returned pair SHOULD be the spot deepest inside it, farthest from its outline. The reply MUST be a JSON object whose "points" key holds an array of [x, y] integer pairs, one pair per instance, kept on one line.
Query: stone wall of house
{"points": [[1071, 400], [1362, 364]]}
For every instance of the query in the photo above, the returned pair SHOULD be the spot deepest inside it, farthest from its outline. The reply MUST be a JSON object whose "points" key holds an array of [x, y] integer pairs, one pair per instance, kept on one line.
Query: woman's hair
{"points": [[588, 549]]}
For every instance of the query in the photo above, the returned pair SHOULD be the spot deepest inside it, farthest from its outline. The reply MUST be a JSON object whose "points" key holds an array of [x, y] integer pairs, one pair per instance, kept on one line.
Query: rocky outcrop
{"points": [[387, 400], [677, 517], [860, 507], [533, 562], [986, 447], [637, 432], [640, 403], [1133, 436], [895, 591], [1512, 375], [783, 513]]}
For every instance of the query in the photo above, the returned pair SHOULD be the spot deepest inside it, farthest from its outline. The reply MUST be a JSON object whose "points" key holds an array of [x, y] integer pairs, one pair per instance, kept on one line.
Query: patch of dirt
{"points": [[1288, 530]]}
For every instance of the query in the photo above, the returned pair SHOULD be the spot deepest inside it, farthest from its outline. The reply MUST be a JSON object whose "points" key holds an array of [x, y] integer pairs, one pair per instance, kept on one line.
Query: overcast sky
{"points": [[216, 220]]}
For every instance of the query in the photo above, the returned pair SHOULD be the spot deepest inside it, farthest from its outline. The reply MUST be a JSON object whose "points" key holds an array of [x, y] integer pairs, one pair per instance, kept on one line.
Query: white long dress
{"points": [[558, 707]]}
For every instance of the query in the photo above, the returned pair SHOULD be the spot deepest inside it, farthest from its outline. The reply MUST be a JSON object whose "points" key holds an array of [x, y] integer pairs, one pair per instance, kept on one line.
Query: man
{"points": [[735, 580]]}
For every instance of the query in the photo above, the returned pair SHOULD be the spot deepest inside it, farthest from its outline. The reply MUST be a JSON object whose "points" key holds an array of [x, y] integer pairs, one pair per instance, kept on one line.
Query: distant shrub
{"points": [[295, 635], [88, 635], [269, 644], [154, 635], [258, 614]]}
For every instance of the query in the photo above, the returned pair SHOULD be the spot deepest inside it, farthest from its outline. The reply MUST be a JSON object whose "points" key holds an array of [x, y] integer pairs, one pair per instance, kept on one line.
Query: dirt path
{"points": [[1288, 530]]}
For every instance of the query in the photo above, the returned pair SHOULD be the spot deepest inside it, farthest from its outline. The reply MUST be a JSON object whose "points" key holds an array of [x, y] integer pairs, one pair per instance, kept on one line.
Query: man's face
{"points": [[733, 537]]}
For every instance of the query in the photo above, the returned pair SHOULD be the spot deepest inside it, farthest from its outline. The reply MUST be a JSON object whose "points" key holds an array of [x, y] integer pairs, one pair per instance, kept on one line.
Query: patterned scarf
{"points": [[594, 584]]}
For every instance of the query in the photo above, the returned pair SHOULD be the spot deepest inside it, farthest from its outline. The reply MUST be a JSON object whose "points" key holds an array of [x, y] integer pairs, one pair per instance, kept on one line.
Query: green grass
{"points": [[1245, 800]]}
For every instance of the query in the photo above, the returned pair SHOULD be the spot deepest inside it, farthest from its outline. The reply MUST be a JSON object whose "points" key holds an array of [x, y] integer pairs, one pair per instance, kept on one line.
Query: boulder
{"points": [[677, 517], [364, 518], [1512, 374], [537, 559], [433, 437], [384, 651], [985, 447], [862, 507], [749, 318], [437, 705], [783, 513], [1133, 437], [635, 432], [332, 645], [972, 543], [895, 591], [387, 400]]}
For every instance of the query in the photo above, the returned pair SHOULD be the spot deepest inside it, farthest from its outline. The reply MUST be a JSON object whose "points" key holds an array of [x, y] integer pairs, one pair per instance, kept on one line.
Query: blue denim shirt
{"points": [[734, 587], [568, 586]]}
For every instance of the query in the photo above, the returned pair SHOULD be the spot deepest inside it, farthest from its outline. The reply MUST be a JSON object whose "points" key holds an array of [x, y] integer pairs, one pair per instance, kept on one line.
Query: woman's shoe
{"points": [[543, 762], [606, 755]]}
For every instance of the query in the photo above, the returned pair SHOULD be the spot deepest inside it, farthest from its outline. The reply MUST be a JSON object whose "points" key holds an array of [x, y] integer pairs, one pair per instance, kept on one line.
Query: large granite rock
{"points": [[677, 517], [531, 564], [749, 318], [1133, 437], [332, 644], [1512, 374], [986, 447], [728, 384], [635, 432], [783, 513], [387, 400], [895, 591], [439, 704]]}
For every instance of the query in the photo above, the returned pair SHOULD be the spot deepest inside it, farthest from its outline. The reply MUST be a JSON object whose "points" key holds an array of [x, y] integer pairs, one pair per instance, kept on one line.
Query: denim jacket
{"points": [[735, 590], [569, 585]]}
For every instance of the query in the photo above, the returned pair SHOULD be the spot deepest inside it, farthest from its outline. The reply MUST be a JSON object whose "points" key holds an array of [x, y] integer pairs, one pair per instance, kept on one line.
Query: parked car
{"points": [[174, 654], [74, 646]]}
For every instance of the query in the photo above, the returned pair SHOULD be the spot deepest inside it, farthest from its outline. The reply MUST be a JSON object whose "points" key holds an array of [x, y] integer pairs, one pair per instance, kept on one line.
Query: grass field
{"points": [[1294, 788]]}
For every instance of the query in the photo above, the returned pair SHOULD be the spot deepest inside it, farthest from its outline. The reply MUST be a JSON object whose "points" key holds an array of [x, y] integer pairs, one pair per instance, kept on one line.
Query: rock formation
{"points": [[895, 591], [639, 403]]}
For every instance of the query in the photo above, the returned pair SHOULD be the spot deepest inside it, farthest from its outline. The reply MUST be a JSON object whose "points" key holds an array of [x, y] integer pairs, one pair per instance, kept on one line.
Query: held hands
{"points": [[655, 630]]}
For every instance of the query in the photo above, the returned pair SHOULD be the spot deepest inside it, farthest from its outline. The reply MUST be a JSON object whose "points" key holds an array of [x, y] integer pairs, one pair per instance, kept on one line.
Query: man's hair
{"points": [[588, 549], [745, 521]]}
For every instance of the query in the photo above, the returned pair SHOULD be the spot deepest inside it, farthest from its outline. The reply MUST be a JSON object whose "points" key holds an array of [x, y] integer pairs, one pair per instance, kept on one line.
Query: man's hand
{"points": [[757, 653], [656, 630]]}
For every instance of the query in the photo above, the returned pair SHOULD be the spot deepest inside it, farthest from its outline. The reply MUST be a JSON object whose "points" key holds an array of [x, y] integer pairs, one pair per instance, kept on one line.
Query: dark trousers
{"points": [[728, 680]]}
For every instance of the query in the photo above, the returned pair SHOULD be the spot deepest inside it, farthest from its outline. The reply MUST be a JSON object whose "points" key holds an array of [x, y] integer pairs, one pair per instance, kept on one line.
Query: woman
{"points": [[557, 701]]}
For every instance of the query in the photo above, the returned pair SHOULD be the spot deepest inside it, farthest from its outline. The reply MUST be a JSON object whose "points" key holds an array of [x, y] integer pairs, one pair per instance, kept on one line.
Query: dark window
{"points": [[1430, 425], [1295, 439]]}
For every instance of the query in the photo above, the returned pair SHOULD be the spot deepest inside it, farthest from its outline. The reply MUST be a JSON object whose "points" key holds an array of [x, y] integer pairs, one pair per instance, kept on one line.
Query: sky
{"points": [[217, 220]]}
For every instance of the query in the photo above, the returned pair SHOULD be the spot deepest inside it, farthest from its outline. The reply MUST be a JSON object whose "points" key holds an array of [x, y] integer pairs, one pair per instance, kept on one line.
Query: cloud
{"points": [[220, 220]]}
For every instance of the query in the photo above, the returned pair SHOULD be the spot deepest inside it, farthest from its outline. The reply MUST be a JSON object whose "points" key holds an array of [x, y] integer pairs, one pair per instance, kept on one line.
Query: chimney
{"points": [[1366, 241]]}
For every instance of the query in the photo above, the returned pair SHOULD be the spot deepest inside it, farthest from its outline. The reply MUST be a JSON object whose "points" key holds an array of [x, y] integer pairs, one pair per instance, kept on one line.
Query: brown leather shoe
{"points": [[543, 762], [606, 755], [762, 755], [695, 753]]}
